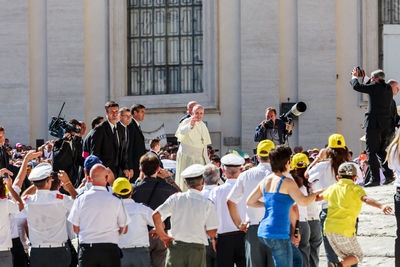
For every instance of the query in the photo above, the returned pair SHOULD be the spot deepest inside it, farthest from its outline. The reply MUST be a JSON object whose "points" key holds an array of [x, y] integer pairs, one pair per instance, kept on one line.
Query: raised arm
{"points": [[32, 154]]}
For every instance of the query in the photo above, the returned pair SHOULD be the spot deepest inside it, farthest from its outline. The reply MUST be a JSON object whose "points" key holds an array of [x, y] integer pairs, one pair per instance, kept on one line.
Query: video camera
{"points": [[59, 126], [296, 110]]}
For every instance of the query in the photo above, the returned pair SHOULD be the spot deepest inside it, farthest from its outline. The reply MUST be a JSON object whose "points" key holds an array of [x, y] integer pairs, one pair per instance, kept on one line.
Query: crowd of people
{"points": [[99, 198]]}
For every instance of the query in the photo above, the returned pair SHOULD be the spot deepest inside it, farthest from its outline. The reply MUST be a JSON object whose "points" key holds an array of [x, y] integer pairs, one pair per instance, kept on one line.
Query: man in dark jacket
{"points": [[272, 128], [87, 141], [136, 145], [377, 124], [109, 144]]}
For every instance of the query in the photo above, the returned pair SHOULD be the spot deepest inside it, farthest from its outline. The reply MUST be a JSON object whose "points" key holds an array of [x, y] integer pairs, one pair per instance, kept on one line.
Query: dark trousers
{"points": [[158, 252], [377, 141], [397, 214], [20, 258], [136, 257], [257, 253], [50, 257], [231, 249], [211, 255], [74, 254], [99, 255]]}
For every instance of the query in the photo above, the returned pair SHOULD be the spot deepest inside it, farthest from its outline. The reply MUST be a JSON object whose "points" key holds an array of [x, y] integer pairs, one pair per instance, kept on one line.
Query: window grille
{"points": [[165, 42]]}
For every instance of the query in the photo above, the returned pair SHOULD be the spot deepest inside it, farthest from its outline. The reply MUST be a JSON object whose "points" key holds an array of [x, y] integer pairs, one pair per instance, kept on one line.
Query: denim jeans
{"points": [[284, 252]]}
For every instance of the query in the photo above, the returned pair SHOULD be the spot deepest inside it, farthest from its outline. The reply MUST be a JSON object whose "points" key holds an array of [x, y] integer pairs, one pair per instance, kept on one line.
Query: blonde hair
{"points": [[396, 141]]}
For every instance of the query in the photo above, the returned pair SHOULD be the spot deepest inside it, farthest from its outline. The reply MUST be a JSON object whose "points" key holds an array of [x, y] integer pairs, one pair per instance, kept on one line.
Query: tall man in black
{"points": [[136, 145], [109, 143], [4, 157], [378, 123]]}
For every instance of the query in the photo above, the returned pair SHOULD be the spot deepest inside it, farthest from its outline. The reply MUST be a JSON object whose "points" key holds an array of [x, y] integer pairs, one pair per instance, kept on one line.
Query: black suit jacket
{"points": [[110, 152], [395, 115], [380, 96], [67, 159], [87, 142], [136, 147], [4, 158]]}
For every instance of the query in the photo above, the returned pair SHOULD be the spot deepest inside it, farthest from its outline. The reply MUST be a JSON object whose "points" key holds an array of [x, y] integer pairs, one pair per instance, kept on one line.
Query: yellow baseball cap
{"points": [[336, 141], [264, 147], [299, 160], [122, 186]]}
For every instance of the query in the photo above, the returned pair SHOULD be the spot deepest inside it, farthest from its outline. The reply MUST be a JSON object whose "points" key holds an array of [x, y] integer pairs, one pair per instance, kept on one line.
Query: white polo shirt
{"points": [[141, 217], [99, 216], [191, 216], [7, 208], [246, 182], [220, 196], [46, 213]]}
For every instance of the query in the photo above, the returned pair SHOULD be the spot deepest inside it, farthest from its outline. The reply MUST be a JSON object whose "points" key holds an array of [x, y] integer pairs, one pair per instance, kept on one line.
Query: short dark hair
{"points": [[149, 164], [194, 181], [136, 108], [40, 184], [110, 104], [279, 157], [154, 142], [1, 128], [96, 121], [216, 158], [75, 122]]}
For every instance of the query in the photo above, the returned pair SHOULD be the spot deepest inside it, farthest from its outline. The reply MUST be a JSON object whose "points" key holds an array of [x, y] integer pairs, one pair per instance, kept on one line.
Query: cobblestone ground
{"points": [[376, 231]]}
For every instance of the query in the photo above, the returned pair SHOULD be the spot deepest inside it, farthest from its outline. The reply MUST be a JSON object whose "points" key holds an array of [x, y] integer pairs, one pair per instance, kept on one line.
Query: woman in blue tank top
{"points": [[279, 194]]}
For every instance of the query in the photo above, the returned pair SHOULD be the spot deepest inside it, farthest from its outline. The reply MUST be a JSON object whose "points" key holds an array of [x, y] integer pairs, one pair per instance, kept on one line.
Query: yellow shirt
{"points": [[344, 206]]}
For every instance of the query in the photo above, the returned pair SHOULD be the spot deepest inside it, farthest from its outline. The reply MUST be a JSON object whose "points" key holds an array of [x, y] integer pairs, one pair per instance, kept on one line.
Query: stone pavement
{"points": [[376, 231]]}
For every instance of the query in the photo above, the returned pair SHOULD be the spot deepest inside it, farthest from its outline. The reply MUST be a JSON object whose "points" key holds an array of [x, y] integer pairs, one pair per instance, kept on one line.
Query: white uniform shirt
{"points": [[138, 234], [7, 208], [303, 209], [207, 190], [99, 216], [321, 177], [220, 196], [191, 216], [245, 184], [46, 212]]}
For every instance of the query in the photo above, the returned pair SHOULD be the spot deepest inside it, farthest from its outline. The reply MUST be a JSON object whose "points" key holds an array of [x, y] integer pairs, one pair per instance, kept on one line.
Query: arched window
{"points": [[165, 47]]}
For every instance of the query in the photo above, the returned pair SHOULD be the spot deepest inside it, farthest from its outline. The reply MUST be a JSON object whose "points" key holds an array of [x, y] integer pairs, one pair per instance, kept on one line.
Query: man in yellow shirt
{"points": [[344, 205]]}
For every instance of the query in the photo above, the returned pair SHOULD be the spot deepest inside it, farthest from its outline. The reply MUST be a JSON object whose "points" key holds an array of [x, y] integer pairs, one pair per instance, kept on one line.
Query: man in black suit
{"points": [[125, 118], [378, 123], [4, 157], [395, 116], [136, 146], [87, 141], [109, 143]]}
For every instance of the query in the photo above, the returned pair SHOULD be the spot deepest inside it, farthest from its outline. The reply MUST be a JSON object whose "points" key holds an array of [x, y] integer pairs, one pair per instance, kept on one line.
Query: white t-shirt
{"points": [[321, 177], [141, 217]]}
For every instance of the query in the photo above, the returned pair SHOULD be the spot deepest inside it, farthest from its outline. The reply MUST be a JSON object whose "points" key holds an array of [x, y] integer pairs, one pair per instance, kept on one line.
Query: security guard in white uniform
{"points": [[257, 253], [99, 217], [46, 213], [230, 238], [193, 217]]}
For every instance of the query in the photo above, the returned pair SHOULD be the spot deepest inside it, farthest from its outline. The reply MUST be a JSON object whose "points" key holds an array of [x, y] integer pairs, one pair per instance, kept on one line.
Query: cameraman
{"points": [[377, 124], [272, 128], [67, 152]]}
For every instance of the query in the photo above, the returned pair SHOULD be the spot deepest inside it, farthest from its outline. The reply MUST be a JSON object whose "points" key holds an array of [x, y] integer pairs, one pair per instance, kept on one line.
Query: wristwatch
{"points": [[240, 225]]}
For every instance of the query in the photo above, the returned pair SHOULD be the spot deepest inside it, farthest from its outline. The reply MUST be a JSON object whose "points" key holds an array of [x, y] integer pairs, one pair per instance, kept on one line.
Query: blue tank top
{"points": [[276, 222]]}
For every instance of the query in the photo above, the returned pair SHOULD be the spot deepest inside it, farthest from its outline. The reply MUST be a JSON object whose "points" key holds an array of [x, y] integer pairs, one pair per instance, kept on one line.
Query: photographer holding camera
{"points": [[377, 124], [273, 128], [67, 152]]}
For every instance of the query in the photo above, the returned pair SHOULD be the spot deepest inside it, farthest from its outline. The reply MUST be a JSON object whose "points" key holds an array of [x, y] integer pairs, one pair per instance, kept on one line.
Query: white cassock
{"points": [[192, 148]]}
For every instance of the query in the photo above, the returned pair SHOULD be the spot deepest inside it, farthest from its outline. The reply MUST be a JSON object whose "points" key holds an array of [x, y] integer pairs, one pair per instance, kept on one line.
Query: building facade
{"points": [[235, 57]]}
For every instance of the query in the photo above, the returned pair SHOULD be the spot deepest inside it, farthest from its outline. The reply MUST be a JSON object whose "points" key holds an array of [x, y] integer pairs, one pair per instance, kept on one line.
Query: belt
{"points": [[5, 249], [135, 247], [231, 233], [93, 245], [52, 245]]}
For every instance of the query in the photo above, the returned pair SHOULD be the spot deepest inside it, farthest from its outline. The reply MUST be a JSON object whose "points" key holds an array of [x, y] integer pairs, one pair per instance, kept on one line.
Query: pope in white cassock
{"points": [[193, 136]]}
